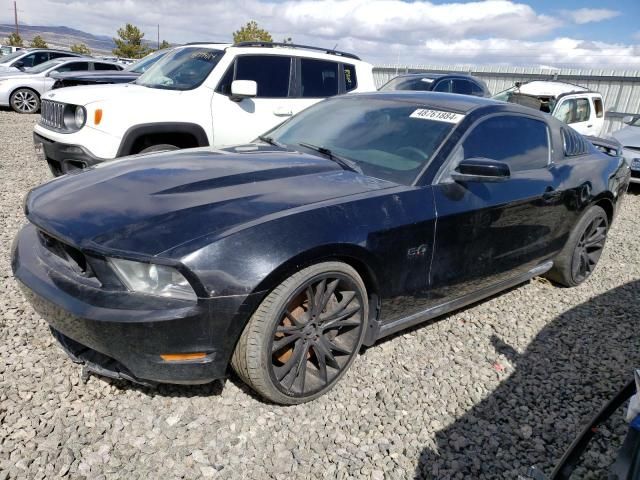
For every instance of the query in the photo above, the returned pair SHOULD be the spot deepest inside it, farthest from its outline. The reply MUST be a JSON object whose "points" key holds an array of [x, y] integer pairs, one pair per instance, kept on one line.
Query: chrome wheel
{"points": [[318, 333], [25, 101]]}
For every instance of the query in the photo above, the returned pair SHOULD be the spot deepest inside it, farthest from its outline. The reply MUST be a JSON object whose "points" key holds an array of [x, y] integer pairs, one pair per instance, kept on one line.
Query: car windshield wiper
{"points": [[342, 161], [272, 141]]}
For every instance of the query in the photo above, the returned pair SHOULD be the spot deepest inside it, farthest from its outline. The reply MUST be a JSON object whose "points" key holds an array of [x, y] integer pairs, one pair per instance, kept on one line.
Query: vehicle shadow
{"points": [[573, 366]]}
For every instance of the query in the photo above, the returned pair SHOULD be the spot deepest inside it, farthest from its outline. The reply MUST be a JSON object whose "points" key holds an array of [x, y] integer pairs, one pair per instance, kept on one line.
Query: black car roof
{"points": [[435, 75], [451, 102]]}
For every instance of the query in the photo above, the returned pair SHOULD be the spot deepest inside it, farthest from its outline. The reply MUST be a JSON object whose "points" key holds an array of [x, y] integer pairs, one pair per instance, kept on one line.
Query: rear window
{"points": [[574, 144], [106, 66], [597, 104], [350, 79]]}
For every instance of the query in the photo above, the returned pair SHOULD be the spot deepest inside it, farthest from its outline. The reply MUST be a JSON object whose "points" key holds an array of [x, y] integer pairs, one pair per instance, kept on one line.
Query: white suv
{"points": [[197, 95]]}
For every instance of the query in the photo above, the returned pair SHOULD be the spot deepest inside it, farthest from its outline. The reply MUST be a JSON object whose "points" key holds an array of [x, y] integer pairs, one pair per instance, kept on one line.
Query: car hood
{"points": [[151, 203], [628, 136], [123, 92]]}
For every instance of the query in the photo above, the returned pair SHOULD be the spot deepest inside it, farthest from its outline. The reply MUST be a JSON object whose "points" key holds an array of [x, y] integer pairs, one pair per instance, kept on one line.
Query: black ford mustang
{"points": [[359, 217]]}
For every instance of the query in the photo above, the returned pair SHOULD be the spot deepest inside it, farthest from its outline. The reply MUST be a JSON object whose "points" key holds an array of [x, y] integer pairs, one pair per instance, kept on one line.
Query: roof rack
{"points": [[295, 45], [203, 43]]}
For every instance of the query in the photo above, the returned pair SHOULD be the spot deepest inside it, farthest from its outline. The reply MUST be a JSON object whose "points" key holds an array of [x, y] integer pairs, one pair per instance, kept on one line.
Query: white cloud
{"points": [[381, 31], [589, 15]]}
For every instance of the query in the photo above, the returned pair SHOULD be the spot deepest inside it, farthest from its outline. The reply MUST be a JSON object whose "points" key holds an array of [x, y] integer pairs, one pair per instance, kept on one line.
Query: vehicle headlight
{"points": [[80, 117], [153, 279]]}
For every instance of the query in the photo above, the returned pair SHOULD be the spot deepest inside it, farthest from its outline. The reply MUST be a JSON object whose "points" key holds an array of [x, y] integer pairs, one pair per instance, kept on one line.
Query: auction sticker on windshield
{"points": [[437, 115]]}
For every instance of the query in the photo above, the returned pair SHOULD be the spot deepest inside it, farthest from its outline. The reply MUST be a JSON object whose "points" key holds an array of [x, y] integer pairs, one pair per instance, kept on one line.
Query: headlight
{"points": [[153, 279], [81, 117]]}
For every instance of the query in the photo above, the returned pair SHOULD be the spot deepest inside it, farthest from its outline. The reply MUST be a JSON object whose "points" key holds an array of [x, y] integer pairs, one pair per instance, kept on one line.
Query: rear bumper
{"points": [[122, 334]]}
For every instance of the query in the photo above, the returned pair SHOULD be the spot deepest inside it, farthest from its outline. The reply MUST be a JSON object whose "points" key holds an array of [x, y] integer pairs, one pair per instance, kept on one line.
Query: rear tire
{"points": [[305, 334], [580, 255], [161, 147], [24, 100]]}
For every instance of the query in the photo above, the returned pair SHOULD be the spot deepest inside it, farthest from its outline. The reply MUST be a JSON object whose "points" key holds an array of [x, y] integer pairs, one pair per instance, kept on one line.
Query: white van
{"points": [[574, 105]]}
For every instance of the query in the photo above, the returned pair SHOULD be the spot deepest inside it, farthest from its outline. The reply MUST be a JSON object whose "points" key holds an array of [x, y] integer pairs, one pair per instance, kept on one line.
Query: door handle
{"points": [[589, 126], [283, 112]]}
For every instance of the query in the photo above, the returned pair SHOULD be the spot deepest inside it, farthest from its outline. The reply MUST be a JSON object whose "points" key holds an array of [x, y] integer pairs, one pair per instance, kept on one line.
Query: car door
{"points": [[576, 111], [242, 121], [489, 232]]}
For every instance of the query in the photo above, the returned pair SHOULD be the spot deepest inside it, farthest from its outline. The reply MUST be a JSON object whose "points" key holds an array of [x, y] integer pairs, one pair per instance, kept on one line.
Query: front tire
{"points": [[162, 147], [304, 335], [24, 100], [580, 255]]}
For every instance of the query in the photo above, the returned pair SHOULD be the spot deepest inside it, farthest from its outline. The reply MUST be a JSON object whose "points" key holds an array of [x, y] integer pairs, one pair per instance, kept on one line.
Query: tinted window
{"points": [[319, 78], [573, 110], [73, 67], [477, 90], [386, 139], [520, 142], [597, 104], [106, 66], [270, 72], [443, 86], [350, 80], [60, 54], [34, 59], [461, 86]]}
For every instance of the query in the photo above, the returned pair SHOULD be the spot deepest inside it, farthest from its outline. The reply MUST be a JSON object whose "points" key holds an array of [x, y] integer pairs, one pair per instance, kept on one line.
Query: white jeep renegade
{"points": [[197, 95]]}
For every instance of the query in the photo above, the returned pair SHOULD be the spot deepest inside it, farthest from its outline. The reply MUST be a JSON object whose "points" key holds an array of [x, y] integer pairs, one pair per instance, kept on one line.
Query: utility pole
{"points": [[15, 16], [158, 36]]}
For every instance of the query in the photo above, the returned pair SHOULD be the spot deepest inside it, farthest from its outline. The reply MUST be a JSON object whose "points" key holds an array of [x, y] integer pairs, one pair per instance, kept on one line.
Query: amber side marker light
{"points": [[177, 357], [97, 116]]}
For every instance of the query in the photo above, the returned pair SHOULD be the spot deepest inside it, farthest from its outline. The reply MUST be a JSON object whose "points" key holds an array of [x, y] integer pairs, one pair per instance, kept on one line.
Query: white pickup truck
{"points": [[196, 95], [572, 104]]}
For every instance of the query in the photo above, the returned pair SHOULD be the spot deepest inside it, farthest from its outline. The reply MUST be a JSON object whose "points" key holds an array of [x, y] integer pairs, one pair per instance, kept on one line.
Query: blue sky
{"points": [[515, 32]]}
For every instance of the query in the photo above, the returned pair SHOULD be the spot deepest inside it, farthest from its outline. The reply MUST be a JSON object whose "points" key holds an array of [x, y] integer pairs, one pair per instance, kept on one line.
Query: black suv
{"points": [[439, 82]]}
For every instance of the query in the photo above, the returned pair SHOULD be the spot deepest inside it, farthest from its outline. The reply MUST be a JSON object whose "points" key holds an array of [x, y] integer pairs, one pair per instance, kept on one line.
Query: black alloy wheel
{"points": [[589, 249], [579, 256], [305, 334], [318, 333]]}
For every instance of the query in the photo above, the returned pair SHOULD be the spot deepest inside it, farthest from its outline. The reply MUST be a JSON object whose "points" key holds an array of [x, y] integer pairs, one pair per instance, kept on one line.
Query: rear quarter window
{"points": [[350, 78]]}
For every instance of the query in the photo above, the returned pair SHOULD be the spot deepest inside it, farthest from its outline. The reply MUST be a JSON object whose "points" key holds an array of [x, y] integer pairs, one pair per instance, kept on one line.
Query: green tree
{"points": [[164, 45], [15, 40], [251, 33], [287, 40], [38, 42], [129, 44], [80, 48]]}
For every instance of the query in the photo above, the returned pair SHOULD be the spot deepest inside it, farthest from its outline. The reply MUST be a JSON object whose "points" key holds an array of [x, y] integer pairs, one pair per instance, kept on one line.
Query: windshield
{"points": [[144, 64], [408, 83], [43, 66], [181, 69], [386, 139], [11, 56]]}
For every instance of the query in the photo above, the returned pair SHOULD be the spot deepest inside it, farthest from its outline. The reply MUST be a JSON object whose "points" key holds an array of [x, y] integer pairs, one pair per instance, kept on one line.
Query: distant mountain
{"points": [[63, 37]]}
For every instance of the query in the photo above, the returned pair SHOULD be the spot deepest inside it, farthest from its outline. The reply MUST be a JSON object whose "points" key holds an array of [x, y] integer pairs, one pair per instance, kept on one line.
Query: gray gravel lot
{"points": [[483, 393]]}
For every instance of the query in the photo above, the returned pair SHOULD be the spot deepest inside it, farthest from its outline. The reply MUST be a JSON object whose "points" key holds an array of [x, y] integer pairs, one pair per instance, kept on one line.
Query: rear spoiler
{"points": [[610, 146]]}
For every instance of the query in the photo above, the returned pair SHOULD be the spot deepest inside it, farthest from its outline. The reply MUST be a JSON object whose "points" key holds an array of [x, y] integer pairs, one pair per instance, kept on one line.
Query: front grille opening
{"points": [[73, 257]]}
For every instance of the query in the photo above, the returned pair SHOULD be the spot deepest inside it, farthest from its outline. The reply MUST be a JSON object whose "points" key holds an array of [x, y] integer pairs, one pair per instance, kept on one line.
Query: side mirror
{"points": [[241, 89], [481, 170], [19, 64], [628, 119]]}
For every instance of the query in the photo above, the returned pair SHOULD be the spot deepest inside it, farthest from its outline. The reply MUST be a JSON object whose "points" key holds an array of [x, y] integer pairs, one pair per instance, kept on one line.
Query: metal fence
{"points": [[619, 88]]}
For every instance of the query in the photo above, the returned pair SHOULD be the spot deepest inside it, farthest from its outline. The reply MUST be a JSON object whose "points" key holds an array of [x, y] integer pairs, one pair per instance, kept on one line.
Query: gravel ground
{"points": [[483, 393]]}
